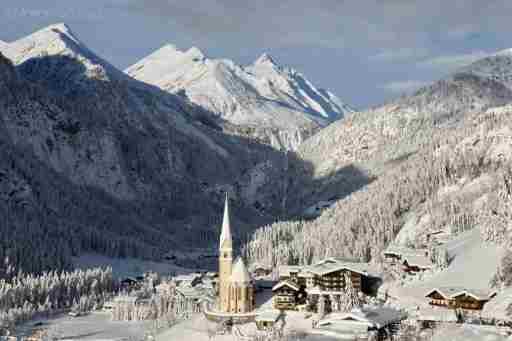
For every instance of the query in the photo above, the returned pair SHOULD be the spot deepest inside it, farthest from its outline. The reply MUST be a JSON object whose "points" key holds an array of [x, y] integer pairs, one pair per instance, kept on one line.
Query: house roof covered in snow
{"points": [[437, 314], [454, 292], [287, 270], [419, 260], [403, 251], [268, 316], [372, 317], [332, 264], [286, 284]]}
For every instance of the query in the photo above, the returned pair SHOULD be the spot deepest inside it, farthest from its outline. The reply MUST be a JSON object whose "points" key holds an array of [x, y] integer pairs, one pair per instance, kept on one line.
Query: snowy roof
{"points": [[191, 292], [240, 273], [225, 236], [500, 307], [329, 265], [286, 270], [437, 314], [419, 260], [373, 317], [268, 315], [402, 251], [187, 278], [453, 292], [287, 284]]}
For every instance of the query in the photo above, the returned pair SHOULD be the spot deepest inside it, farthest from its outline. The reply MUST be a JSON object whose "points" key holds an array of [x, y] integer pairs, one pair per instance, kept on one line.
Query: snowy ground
{"points": [[467, 333], [198, 329], [98, 326], [95, 326], [129, 266], [473, 266]]}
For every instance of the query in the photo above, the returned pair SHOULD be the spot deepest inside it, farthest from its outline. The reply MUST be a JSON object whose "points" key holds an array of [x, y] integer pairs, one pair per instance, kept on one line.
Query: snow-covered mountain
{"points": [[275, 101], [95, 160], [387, 160], [497, 67]]}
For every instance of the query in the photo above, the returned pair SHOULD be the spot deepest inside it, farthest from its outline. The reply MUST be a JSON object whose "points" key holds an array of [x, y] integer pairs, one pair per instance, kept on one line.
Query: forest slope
{"points": [[93, 160]]}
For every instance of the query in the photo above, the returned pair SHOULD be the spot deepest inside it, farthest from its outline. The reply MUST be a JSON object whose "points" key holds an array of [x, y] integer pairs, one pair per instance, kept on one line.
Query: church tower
{"points": [[225, 260]]}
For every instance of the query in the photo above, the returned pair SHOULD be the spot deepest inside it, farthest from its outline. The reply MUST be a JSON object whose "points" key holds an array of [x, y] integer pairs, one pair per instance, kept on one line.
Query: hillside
{"points": [[458, 182], [435, 160], [275, 104], [95, 161], [377, 140]]}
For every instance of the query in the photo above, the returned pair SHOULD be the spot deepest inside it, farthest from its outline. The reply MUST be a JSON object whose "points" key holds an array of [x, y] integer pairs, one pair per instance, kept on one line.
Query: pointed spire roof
{"points": [[226, 240], [240, 274]]}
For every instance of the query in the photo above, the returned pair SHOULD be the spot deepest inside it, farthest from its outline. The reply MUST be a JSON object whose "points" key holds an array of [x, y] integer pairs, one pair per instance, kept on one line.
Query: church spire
{"points": [[226, 241]]}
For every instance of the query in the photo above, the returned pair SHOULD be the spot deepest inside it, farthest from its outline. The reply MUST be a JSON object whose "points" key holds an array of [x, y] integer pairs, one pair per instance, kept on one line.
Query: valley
{"points": [[386, 223]]}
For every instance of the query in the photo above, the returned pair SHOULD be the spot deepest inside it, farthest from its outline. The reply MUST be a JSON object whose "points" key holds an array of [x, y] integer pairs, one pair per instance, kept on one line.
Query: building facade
{"points": [[459, 298], [327, 278], [236, 287]]}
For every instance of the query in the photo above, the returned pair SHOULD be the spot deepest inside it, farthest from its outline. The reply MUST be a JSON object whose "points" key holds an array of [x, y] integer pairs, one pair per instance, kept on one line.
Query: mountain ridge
{"points": [[262, 95]]}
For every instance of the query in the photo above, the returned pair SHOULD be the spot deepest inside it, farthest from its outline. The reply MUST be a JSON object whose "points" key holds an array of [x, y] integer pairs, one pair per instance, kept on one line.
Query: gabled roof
{"points": [[420, 261], [269, 315], [453, 292], [286, 270], [403, 251], [329, 265], [286, 284], [373, 317]]}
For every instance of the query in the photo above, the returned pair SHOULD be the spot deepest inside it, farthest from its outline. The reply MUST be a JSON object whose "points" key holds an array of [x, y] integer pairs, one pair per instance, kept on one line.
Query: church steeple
{"points": [[226, 241]]}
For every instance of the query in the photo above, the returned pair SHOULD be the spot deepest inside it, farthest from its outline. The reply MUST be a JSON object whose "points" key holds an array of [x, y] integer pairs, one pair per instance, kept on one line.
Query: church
{"points": [[236, 287]]}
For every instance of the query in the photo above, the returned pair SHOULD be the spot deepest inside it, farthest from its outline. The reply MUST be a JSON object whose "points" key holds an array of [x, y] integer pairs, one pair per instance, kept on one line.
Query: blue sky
{"points": [[365, 51]]}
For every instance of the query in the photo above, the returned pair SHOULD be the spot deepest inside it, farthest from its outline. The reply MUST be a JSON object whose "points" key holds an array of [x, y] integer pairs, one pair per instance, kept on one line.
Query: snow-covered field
{"points": [[95, 326], [467, 333], [122, 267], [473, 266]]}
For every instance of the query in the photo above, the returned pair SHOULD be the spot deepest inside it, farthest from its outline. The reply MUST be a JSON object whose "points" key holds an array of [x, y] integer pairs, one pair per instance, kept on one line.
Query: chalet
{"points": [[399, 254], [361, 322], [267, 319], [417, 263], [291, 273], [329, 274], [429, 317], [287, 295], [325, 278], [459, 298]]}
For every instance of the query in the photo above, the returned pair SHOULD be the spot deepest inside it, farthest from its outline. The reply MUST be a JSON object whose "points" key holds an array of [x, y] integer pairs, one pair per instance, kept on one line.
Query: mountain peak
{"points": [[265, 59], [196, 53]]}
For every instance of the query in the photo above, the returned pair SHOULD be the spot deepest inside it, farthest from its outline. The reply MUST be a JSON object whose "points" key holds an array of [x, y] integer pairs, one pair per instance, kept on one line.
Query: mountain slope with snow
{"points": [[497, 67], [94, 160], [382, 169], [273, 100]]}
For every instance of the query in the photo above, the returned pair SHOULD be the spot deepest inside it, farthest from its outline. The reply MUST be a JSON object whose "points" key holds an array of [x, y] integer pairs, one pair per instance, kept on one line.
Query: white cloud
{"points": [[404, 87], [400, 54]]}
